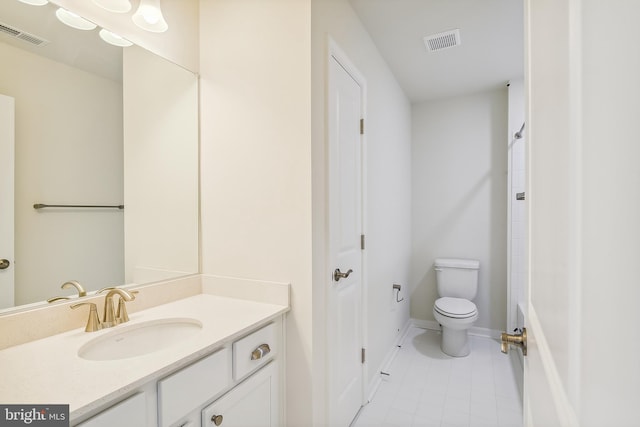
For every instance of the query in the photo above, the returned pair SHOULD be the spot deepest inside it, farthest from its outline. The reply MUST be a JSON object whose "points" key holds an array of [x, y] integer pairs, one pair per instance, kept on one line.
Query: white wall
{"points": [[611, 208], [160, 168], [388, 186], [459, 166], [256, 161], [68, 151]]}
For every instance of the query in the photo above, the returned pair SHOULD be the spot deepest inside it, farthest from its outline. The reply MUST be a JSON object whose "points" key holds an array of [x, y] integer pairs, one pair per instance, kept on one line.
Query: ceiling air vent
{"points": [[443, 40], [22, 35]]}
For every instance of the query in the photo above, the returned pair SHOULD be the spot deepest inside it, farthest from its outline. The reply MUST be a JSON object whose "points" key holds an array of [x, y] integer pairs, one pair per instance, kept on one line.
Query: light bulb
{"points": [[116, 6], [73, 20], [149, 16], [114, 39]]}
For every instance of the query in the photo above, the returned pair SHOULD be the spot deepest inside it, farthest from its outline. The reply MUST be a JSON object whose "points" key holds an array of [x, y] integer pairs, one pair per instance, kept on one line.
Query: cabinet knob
{"points": [[260, 351], [217, 419]]}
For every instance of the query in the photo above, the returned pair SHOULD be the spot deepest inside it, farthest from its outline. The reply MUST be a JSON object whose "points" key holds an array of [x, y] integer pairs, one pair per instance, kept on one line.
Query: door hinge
{"points": [[361, 126], [362, 241], [363, 355]]}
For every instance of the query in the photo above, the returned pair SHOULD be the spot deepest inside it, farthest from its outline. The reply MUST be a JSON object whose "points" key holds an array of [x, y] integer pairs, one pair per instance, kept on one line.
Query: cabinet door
{"points": [[253, 403], [192, 387], [131, 412]]}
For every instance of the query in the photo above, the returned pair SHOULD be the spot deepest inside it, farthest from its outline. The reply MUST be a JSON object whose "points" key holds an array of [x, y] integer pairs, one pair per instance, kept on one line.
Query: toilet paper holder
{"points": [[397, 288]]}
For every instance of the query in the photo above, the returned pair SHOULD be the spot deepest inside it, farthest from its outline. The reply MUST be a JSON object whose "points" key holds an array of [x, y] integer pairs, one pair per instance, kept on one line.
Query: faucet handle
{"points": [[93, 322], [121, 313], [54, 299]]}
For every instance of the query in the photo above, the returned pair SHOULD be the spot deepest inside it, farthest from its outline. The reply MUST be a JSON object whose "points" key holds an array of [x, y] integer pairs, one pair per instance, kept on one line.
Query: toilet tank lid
{"points": [[457, 263]]}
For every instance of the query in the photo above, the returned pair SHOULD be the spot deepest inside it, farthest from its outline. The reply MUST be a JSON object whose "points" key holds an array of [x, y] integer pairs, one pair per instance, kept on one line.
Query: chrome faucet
{"points": [[110, 317]]}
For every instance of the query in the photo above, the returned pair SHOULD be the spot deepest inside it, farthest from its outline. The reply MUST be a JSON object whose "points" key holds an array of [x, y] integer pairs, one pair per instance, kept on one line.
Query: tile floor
{"points": [[427, 388]]}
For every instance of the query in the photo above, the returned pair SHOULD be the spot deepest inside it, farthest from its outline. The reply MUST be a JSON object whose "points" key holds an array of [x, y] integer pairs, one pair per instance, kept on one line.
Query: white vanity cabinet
{"points": [[192, 387], [253, 403], [238, 384], [131, 412]]}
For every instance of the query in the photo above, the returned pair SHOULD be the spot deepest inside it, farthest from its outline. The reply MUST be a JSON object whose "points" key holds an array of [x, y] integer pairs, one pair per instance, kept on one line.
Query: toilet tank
{"points": [[457, 277]]}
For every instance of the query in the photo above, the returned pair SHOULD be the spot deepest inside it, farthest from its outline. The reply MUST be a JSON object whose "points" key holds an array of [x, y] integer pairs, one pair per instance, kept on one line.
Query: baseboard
{"points": [[387, 361], [435, 326]]}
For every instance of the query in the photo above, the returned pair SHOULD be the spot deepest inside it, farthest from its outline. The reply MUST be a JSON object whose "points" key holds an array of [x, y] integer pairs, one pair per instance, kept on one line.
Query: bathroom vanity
{"points": [[204, 360]]}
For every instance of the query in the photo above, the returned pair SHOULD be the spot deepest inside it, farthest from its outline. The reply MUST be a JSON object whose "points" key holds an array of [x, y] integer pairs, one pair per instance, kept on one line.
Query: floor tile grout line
{"points": [[481, 358]]}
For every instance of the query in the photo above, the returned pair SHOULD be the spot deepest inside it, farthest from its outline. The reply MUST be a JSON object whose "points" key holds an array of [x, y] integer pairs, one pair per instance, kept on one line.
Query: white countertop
{"points": [[49, 370]]}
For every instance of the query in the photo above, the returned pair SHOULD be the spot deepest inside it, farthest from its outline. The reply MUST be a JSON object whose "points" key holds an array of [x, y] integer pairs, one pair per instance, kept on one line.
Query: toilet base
{"points": [[455, 342]]}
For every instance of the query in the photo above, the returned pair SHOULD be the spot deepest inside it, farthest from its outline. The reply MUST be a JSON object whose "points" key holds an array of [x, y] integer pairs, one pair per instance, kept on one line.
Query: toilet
{"points": [[457, 283]]}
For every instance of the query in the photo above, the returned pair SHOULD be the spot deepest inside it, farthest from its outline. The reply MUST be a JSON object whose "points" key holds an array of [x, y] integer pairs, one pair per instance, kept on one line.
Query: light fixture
{"points": [[35, 2], [117, 6], [149, 17], [73, 20], [114, 39]]}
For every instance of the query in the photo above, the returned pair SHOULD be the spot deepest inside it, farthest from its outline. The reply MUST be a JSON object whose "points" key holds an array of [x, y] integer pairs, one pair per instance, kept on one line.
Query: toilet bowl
{"points": [[456, 316], [457, 282]]}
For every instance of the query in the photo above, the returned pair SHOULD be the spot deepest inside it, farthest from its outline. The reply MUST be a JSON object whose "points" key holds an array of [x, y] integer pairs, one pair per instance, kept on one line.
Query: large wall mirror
{"points": [[94, 125]]}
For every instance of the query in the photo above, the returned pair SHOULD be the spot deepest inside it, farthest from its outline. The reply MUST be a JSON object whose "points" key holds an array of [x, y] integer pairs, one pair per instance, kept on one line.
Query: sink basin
{"points": [[142, 338]]}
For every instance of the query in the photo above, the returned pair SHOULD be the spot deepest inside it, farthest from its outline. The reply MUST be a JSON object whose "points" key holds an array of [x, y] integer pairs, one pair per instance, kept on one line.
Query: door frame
{"points": [[7, 160], [335, 52]]}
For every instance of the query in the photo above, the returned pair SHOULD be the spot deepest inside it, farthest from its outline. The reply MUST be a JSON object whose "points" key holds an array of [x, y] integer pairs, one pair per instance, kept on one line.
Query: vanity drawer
{"points": [[192, 386], [254, 350]]}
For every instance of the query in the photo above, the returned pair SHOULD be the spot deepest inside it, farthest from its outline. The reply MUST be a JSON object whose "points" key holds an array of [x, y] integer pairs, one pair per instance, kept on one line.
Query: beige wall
{"points": [[256, 161], [459, 204], [160, 168], [68, 150]]}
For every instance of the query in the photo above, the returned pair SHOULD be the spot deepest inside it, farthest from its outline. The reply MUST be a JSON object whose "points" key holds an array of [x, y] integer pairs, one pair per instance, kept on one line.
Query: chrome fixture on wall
{"points": [[518, 135], [397, 288]]}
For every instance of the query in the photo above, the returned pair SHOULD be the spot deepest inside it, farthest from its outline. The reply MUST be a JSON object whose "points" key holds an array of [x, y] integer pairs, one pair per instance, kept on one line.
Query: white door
{"points": [[584, 213], [7, 135], [344, 313]]}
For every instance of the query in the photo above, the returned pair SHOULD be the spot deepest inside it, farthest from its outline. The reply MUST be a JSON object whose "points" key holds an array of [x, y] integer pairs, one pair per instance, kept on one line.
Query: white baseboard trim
{"points": [[435, 326], [386, 362]]}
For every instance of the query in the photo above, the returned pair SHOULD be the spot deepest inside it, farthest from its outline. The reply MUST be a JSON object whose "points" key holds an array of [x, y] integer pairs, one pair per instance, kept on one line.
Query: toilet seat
{"points": [[455, 308]]}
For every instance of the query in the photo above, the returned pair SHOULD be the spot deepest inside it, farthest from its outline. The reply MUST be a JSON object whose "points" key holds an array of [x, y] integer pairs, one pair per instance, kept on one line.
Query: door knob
{"points": [[519, 340], [217, 419], [337, 274], [4, 263]]}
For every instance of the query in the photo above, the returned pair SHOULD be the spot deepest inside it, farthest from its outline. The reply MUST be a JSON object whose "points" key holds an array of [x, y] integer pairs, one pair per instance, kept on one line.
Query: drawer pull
{"points": [[217, 419], [261, 351]]}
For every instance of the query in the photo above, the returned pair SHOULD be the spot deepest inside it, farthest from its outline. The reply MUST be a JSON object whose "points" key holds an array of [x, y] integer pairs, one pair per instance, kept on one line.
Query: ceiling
{"points": [[491, 52], [77, 48]]}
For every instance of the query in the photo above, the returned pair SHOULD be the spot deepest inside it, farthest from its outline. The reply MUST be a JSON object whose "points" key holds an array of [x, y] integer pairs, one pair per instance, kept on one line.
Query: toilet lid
{"points": [[455, 307]]}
